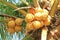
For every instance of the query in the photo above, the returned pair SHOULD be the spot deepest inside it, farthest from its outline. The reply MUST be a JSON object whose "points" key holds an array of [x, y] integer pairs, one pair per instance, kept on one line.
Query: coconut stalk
{"points": [[36, 4], [52, 2], [54, 8], [44, 33], [22, 8], [58, 6], [4, 15]]}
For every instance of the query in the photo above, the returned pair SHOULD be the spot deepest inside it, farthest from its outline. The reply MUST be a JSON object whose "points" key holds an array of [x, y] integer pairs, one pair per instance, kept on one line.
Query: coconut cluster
{"points": [[14, 25], [37, 20]]}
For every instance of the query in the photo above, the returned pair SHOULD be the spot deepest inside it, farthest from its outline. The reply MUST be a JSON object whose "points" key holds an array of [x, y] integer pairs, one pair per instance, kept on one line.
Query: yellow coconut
{"points": [[18, 21], [11, 30], [38, 9], [18, 28], [44, 14], [38, 16], [48, 21], [11, 23], [37, 24], [29, 26], [29, 17]]}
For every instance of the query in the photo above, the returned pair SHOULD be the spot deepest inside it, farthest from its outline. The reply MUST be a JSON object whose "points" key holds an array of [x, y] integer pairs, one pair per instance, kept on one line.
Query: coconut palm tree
{"points": [[13, 9]]}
